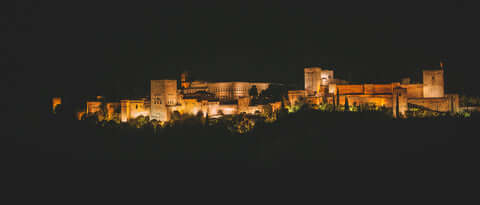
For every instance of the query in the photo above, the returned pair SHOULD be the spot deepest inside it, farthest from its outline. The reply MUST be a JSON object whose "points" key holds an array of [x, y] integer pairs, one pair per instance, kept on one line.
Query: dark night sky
{"points": [[85, 48]]}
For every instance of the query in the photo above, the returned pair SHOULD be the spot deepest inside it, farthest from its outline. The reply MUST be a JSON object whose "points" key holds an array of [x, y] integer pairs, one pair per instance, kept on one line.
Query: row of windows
{"points": [[159, 102], [229, 89]]}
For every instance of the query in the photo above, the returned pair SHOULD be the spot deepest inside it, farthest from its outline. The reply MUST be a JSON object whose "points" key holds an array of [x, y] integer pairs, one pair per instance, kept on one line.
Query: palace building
{"points": [[321, 86], [192, 97], [227, 98]]}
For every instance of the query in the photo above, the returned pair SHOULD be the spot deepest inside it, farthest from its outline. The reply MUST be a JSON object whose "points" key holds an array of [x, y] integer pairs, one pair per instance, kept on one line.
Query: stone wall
{"points": [[370, 89], [349, 89], [378, 100], [243, 103], [196, 86], [413, 90], [399, 97], [435, 104], [112, 108], [93, 106], [295, 96], [131, 109], [469, 109], [454, 102]]}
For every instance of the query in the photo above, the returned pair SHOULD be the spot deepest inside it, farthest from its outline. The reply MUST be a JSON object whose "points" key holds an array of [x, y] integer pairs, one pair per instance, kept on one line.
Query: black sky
{"points": [[85, 48]]}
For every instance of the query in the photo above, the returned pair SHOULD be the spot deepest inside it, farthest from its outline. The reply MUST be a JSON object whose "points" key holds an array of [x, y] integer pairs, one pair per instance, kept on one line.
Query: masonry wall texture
{"points": [[131, 109], [315, 78], [400, 98], [433, 84], [163, 93]]}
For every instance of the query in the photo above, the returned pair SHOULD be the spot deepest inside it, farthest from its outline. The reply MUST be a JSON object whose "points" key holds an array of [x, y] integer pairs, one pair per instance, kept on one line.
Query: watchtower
{"points": [[433, 84], [163, 93]]}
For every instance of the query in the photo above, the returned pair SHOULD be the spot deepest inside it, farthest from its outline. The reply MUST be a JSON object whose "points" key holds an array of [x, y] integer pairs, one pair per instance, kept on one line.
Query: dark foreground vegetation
{"points": [[306, 134]]}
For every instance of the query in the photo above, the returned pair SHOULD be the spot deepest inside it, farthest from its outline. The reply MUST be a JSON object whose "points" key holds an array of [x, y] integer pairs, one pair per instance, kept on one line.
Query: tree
{"points": [[338, 98], [253, 93], [240, 124], [397, 113], [347, 108], [116, 118], [199, 114], [155, 125], [273, 93], [333, 102], [268, 111], [299, 104], [176, 115], [355, 107], [58, 108], [102, 113], [141, 121]]}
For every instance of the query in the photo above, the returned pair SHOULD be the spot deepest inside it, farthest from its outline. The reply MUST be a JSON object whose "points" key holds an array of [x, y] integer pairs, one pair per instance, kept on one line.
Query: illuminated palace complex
{"points": [[321, 86], [226, 98]]}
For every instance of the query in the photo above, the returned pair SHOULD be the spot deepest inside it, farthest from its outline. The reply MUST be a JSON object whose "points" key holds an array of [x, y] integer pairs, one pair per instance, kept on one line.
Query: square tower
{"points": [[433, 84], [327, 77], [313, 80], [399, 101], [163, 93]]}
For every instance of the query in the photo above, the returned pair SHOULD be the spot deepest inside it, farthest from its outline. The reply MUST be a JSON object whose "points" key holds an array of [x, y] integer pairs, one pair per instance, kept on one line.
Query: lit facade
{"points": [[55, 102], [322, 87], [227, 98], [193, 97]]}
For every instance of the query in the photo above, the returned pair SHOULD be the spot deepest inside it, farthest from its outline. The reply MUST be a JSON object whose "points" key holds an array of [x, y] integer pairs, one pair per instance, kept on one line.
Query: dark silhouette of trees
{"points": [[176, 115], [253, 93], [58, 108], [397, 112], [200, 114], [333, 102], [306, 134], [274, 93]]}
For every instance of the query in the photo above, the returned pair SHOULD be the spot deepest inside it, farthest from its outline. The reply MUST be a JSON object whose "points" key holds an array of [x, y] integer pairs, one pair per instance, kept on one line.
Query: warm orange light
{"points": [[56, 101]]}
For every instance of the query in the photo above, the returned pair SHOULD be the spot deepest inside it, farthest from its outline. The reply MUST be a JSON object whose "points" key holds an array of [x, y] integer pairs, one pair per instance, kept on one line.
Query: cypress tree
{"points": [[333, 101], [338, 98], [397, 107], [346, 104]]}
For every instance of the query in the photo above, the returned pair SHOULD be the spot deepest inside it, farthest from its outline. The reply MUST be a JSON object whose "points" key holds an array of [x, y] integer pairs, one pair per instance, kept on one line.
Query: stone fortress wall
{"points": [[428, 95], [131, 109], [225, 98]]}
